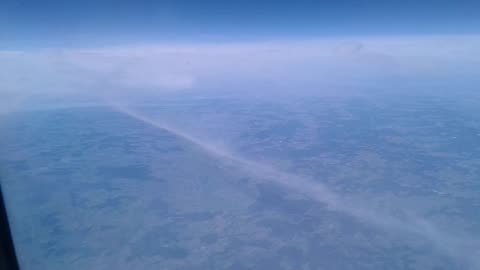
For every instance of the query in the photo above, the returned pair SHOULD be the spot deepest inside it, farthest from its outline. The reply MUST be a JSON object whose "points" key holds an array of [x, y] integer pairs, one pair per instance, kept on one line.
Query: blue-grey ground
{"points": [[91, 188]]}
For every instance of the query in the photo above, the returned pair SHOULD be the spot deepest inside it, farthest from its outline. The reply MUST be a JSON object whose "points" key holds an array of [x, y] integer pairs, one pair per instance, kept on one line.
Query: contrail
{"points": [[464, 250]]}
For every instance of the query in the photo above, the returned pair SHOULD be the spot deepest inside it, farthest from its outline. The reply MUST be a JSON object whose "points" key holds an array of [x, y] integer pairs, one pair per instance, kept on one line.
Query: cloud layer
{"points": [[282, 65]]}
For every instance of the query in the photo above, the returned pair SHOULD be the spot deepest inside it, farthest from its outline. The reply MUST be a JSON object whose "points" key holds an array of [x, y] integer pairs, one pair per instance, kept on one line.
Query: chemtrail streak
{"points": [[464, 250]]}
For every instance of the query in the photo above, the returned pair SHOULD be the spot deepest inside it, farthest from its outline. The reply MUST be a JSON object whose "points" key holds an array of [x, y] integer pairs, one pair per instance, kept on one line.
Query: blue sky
{"points": [[59, 23]]}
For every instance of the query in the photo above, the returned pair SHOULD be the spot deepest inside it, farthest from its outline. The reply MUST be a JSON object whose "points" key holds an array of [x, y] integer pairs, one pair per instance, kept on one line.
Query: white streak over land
{"points": [[461, 249]]}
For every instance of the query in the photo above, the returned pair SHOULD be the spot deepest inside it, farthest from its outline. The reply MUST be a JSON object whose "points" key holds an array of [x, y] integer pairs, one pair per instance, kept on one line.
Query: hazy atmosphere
{"points": [[241, 135]]}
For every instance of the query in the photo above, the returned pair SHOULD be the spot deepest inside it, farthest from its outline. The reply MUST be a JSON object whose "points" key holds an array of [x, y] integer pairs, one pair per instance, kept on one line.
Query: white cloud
{"points": [[282, 64]]}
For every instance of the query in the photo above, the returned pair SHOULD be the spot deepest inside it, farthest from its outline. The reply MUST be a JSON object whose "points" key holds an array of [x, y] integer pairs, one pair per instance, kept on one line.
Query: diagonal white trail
{"points": [[464, 250]]}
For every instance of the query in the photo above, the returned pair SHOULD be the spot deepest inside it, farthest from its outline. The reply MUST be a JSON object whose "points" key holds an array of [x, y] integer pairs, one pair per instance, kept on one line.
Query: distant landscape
{"points": [[372, 181]]}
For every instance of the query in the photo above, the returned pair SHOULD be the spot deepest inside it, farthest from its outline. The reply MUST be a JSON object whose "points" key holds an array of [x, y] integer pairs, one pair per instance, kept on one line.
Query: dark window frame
{"points": [[8, 258]]}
